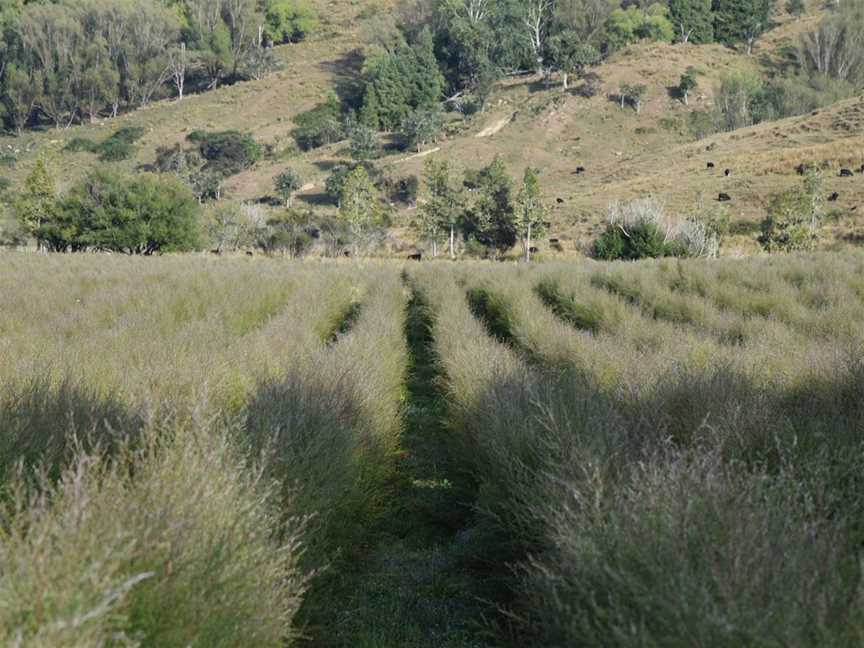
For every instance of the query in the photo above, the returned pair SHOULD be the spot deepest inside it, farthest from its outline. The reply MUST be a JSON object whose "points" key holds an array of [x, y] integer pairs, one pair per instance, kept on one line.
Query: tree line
{"points": [[454, 50], [71, 61]]}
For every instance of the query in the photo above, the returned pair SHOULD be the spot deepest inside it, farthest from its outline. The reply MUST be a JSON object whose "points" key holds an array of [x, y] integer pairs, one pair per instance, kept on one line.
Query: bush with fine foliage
{"points": [[142, 214], [642, 230]]}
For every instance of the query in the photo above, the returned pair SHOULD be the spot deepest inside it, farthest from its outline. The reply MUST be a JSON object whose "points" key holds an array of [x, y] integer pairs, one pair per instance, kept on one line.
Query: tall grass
{"points": [[648, 482], [203, 437], [175, 544]]}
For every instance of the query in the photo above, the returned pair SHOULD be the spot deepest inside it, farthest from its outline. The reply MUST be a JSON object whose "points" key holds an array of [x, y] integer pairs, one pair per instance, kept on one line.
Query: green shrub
{"points": [[226, 153], [644, 241], [320, 126], [120, 145], [81, 145], [289, 21], [143, 214]]}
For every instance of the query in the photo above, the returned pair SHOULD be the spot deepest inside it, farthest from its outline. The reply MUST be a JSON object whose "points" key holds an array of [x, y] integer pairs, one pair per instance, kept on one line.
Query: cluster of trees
{"points": [[486, 209], [140, 214], [75, 60], [474, 42], [212, 157], [826, 66]]}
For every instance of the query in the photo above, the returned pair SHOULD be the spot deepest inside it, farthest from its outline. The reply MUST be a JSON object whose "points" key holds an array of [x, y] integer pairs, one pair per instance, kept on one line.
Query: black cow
{"points": [[846, 173], [801, 169], [534, 250], [834, 197], [250, 253], [415, 257], [580, 170], [560, 201], [727, 172], [711, 165], [861, 169], [724, 197]]}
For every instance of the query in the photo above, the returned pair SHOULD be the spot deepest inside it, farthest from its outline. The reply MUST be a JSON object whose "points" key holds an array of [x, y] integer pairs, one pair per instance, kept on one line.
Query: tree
{"points": [[37, 204], [286, 183], [289, 21], [570, 54], [492, 219], [634, 93], [693, 20], [741, 20], [626, 26], [531, 210], [400, 82], [444, 204], [336, 182], [794, 217], [796, 8], [359, 208], [687, 84], [538, 15], [364, 143], [422, 127], [142, 214]]}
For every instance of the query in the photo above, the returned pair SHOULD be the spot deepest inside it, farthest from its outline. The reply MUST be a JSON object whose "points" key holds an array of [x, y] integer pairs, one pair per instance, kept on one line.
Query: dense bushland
{"points": [[69, 62]]}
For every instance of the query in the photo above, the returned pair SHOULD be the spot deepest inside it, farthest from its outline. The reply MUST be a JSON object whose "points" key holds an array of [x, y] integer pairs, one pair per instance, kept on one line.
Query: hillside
{"points": [[625, 155]]}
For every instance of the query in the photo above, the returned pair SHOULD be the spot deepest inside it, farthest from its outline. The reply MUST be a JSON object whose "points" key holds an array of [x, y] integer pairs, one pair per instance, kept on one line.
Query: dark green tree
{"points": [[492, 219], [692, 20], [687, 84], [570, 54], [143, 214], [737, 21]]}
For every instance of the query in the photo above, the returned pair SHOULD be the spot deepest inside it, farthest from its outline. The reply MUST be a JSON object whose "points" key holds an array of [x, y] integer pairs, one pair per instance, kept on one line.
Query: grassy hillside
{"points": [[626, 155]]}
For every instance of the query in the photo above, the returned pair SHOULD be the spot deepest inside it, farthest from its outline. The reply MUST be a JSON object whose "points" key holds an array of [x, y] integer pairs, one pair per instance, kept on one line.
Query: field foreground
{"points": [[199, 452]]}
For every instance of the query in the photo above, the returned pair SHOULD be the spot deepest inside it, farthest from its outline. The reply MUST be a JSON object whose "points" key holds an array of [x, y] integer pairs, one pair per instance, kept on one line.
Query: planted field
{"points": [[261, 452]]}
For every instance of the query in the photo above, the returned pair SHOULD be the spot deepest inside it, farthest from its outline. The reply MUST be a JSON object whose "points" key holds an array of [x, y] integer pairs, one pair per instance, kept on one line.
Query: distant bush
{"points": [[8, 160], [642, 230], [626, 26], [5, 183], [81, 145], [404, 189], [320, 126], [119, 146], [289, 21], [226, 153]]}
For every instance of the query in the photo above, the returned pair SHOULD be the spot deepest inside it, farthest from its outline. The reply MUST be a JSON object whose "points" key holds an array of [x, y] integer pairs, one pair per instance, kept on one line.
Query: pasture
{"points": [[234, 452]]}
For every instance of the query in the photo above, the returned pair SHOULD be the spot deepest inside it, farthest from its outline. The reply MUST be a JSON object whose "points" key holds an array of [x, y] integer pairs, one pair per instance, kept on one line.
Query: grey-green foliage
{"points": [[834, 49], [422, 127], [78, 60]]}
